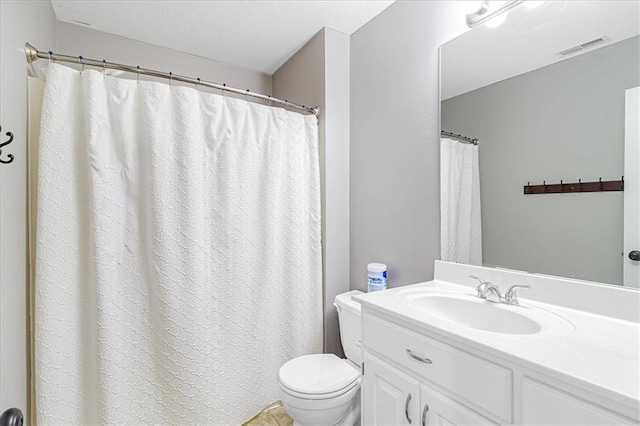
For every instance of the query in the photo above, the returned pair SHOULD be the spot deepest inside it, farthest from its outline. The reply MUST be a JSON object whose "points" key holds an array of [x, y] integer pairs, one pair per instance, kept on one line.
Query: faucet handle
{"points": [[511, 297], [483, 287], [477, 278]]}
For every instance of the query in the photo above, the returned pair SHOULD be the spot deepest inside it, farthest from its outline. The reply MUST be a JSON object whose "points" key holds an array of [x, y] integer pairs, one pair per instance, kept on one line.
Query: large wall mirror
{"points": [[551, 94]]}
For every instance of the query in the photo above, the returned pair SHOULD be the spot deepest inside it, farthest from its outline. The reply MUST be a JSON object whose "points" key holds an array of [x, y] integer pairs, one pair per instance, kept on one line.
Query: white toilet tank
{"points": [[350, 327]]}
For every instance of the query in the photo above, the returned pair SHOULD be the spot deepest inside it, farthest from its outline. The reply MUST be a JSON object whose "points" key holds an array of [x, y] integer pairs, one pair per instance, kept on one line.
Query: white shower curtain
{"points": [[460, 220], [178, 255]]}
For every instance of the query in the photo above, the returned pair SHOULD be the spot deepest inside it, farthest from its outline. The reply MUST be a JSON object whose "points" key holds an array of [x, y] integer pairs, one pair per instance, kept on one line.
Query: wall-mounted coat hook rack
{"points": [[9, 156], [580, 186]]}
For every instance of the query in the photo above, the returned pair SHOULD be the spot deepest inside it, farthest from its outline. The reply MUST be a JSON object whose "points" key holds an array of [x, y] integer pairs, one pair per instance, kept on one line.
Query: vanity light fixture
{"points": [[488, 12], [496, 21]]}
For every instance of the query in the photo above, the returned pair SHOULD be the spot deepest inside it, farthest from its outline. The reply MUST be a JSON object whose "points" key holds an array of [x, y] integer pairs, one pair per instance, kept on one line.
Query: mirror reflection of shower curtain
{"points": [[460, 219]]}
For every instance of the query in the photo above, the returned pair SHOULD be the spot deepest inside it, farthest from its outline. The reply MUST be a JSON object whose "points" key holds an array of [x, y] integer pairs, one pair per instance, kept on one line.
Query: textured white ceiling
{"points": [[259, 35], [530, 38]]}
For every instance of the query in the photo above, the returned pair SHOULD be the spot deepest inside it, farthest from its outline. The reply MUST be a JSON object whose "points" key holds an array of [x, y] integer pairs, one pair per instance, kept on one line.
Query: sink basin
{"points": [[466, 310], [478, 314]]}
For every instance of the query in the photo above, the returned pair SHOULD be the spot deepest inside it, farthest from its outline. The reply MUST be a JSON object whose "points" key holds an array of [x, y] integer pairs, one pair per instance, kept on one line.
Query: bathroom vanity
{"points": [[434, 353]]}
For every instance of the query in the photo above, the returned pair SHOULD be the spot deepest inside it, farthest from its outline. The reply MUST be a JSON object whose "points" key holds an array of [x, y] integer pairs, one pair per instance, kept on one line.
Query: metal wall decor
{"points": [[9, 156]]}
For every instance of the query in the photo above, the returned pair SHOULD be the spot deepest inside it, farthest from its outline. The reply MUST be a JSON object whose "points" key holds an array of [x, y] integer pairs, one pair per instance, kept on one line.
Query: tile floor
{"points": [[273, 417]]}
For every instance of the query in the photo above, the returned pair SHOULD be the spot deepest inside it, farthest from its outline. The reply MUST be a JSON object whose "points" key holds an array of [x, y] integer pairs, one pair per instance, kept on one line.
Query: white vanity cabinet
{"points": [[394, 395], [478, 386], [399, 399], [414, 378]]}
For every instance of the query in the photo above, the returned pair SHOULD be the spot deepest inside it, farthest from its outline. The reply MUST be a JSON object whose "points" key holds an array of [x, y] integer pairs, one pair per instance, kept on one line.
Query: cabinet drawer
{"points": [[485, 385], [546, 405]]}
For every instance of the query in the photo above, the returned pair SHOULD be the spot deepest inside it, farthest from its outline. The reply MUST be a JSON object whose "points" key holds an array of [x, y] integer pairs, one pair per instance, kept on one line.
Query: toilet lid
{"points": [[317, 374]]}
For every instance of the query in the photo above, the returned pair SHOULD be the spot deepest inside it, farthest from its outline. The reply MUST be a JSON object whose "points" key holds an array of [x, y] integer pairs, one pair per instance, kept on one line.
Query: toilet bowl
{"points": [[323, 389], [319, 389]]}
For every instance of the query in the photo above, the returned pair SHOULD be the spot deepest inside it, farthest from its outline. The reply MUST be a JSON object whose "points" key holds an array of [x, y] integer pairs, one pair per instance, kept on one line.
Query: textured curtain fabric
{"points": [[460, 220], [35, 90], [178, 255]]}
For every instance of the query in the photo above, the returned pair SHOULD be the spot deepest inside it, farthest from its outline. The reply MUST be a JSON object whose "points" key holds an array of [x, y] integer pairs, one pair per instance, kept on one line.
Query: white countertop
{"points": [[598, 353]]}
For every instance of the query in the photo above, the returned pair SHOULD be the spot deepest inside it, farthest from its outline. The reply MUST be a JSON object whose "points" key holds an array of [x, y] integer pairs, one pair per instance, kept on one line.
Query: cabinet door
{"points": [[439, 410], [390, 397]]}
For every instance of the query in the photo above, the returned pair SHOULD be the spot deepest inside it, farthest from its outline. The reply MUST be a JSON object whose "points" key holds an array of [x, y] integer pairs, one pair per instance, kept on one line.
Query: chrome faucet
{"points": [[487, 290], [511, 297], [491, 292]]}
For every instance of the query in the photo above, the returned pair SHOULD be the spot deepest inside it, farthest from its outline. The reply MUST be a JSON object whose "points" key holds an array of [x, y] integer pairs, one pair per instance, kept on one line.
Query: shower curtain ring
{"points": [[104, 67], [198, 83], [50, 53], [80, 58], [170, 79], [138, 73], [224, 85]]}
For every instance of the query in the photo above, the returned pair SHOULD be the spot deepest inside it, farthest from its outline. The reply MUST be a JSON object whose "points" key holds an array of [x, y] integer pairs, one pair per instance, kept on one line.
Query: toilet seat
{"points": [[343, 400], [320, 376], [318, 396]]}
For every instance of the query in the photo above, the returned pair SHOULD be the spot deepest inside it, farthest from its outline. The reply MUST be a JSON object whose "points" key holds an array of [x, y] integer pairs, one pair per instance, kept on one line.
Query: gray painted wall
{"points": [[79, 40], [318, 74], [564, 121], [336, 169], [20, 21], [394, 167]]}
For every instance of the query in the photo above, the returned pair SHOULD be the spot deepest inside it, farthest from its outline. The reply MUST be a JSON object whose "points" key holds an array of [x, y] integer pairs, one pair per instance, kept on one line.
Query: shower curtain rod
{"points": [[460, 138], [34, 54]]}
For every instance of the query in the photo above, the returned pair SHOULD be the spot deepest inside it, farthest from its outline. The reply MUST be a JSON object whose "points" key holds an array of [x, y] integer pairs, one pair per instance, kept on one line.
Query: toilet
{"points": [[323, 389]]}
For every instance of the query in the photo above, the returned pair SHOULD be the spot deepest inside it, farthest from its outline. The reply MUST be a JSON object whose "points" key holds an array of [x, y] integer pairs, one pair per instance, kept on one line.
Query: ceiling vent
{"points": [[591, 44]]}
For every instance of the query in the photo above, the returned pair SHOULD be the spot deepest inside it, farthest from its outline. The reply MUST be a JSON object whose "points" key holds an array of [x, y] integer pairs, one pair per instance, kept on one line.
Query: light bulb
{"points": [[472, 6]]}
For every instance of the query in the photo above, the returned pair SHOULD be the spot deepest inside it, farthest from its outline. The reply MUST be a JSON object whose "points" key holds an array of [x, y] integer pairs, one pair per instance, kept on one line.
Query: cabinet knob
{"points": [[634, 255], [406, 408]]}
